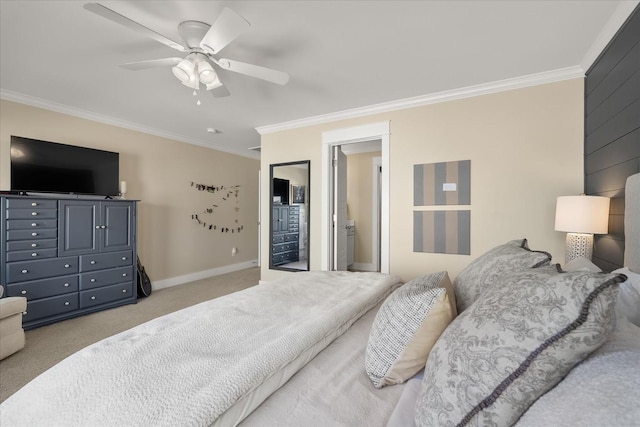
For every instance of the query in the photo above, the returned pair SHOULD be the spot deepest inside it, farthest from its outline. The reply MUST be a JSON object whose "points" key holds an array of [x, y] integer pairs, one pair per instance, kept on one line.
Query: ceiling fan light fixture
{"points": [[216, 84], [184, 70], [193, 84], [206, 73]]}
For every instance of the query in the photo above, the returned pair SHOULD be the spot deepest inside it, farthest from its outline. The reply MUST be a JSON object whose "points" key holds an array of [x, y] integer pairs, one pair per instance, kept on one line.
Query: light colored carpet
{"points": [[49, 344]]}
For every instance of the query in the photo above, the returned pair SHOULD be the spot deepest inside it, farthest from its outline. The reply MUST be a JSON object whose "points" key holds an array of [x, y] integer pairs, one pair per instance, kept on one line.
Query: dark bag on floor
{"points": [[144, 283]]}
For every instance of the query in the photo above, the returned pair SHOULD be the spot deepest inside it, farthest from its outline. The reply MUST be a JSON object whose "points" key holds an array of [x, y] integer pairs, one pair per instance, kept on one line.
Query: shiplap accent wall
{"points": [[612, 132]]}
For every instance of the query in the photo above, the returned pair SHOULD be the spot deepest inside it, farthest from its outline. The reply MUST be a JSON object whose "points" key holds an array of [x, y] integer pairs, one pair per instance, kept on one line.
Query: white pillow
{"points": [[406, 327], [628, 303], [582, 264]]}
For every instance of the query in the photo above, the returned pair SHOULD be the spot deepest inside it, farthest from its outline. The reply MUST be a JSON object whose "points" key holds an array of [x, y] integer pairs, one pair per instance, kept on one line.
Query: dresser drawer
{"points": [[279, 259], [32, 234], [109, 260], [105, 295], [37, 289], [292, 237], [31, 224], [291, 256], [32, 270], [32, 213], [32, 203], [50, 307], [25, 245], [96, 279], [278, 238], [31, 254]]}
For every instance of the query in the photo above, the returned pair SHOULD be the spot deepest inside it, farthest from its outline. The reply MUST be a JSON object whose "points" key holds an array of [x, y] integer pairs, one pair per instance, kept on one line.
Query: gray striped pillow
{"points": [[406, 327]]}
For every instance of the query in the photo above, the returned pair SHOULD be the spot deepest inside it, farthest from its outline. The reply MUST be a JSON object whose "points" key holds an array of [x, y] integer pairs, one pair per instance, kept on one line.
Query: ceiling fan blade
{"points": [[227, 28], [111, 15], [256, 71], [220, 92], [153, 63]]}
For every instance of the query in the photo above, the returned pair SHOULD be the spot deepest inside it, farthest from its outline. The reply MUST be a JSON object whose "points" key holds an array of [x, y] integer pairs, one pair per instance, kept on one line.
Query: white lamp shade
{"points": [[582, 214]]}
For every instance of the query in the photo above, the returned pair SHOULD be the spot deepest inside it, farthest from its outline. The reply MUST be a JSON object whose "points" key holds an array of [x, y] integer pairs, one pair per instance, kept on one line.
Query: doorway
{"points": [[357, 205], [344, 137]]}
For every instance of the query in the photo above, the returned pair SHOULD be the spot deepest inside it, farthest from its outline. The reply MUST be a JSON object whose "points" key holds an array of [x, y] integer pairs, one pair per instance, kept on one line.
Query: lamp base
{"points": [[578, 245]]}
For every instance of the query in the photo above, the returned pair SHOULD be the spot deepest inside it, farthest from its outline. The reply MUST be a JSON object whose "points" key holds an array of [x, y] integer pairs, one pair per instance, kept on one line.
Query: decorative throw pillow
{"points": [[513, 344], [628, 304], [489, 267], [405, 328]]}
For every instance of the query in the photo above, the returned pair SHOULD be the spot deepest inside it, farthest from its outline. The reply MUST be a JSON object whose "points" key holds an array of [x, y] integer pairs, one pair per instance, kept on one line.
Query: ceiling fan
{"points": [[201, 42]]}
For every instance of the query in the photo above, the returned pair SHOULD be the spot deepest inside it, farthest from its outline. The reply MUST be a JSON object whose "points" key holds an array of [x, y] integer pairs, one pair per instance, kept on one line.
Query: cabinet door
{"points": [[280, 218], [77, 232], [117, 218]]}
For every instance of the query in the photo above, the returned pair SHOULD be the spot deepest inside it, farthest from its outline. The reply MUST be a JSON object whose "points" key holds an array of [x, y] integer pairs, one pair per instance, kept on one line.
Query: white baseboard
{"points": [[361, 266], [186, 278]]}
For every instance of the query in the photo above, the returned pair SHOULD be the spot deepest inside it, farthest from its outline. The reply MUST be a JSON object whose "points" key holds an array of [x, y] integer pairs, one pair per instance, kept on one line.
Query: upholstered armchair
{"points": [[11, 332]]}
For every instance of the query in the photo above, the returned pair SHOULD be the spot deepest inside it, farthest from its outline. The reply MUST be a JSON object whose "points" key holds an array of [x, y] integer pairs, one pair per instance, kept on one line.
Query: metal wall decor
{"points": [[225, 194]]}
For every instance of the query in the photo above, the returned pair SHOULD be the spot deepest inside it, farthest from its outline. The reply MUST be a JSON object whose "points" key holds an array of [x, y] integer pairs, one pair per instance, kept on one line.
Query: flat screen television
{"points": [[281, 189], [50, 167]]}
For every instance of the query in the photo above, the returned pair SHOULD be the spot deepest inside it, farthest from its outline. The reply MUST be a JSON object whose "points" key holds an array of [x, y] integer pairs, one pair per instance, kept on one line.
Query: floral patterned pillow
{"points": [[487, 269], [516, 342]]}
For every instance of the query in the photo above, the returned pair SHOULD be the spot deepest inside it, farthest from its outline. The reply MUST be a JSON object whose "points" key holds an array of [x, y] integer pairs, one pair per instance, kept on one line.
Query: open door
{"points": [[339, 209]]}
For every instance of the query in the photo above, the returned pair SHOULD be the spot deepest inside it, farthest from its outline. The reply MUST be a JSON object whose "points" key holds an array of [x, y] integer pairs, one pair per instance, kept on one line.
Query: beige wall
{"points": [[525, 147], [158, 172], [360, 203]]}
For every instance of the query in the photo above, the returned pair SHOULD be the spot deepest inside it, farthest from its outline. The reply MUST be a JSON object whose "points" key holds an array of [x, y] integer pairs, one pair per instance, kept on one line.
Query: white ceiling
{"points": [[341, 55]]}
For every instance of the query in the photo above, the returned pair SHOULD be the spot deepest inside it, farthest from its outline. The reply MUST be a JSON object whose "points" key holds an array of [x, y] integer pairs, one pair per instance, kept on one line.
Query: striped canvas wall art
{"points": [[443, 232], [446, 183]]}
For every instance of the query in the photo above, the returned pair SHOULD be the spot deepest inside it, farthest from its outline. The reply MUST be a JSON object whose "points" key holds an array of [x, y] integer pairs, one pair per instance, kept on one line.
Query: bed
{"points": [[513, 340]]}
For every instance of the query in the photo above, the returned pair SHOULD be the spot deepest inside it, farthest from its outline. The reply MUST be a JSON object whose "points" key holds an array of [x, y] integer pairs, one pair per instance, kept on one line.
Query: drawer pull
{"points": [[66, 285], [124, 274], [34, 234], [24, 313], [23, 292], [24, 271], [34, 245], [67, 266], [92, 262], [66, 303], [92, 280], [124, 291], [33, 224], [97, 227], [34, 204], [93, 297], [124, 258], [34, 213], [34, 254], [103, 226]]}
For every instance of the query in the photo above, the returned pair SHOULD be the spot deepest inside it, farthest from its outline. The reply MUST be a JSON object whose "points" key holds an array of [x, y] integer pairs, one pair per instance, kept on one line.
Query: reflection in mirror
{"points": [[289, 229]]}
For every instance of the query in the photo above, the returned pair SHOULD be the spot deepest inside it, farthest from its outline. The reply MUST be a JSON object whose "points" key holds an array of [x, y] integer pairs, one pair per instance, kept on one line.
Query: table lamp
{"points": [[581, 217]]}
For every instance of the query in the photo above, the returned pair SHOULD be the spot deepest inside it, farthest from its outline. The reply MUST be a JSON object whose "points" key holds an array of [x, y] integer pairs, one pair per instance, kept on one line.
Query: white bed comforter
{"points": [[189, 367]]}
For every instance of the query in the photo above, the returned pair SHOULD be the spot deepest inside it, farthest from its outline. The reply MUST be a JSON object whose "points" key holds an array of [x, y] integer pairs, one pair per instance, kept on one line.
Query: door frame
{"points": [[375, 230], [351, 135]]}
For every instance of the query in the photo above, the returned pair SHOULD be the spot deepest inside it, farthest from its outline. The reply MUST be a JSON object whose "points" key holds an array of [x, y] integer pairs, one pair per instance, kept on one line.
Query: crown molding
{"points": [[32, 101], [611, 28], [434, 98]]}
